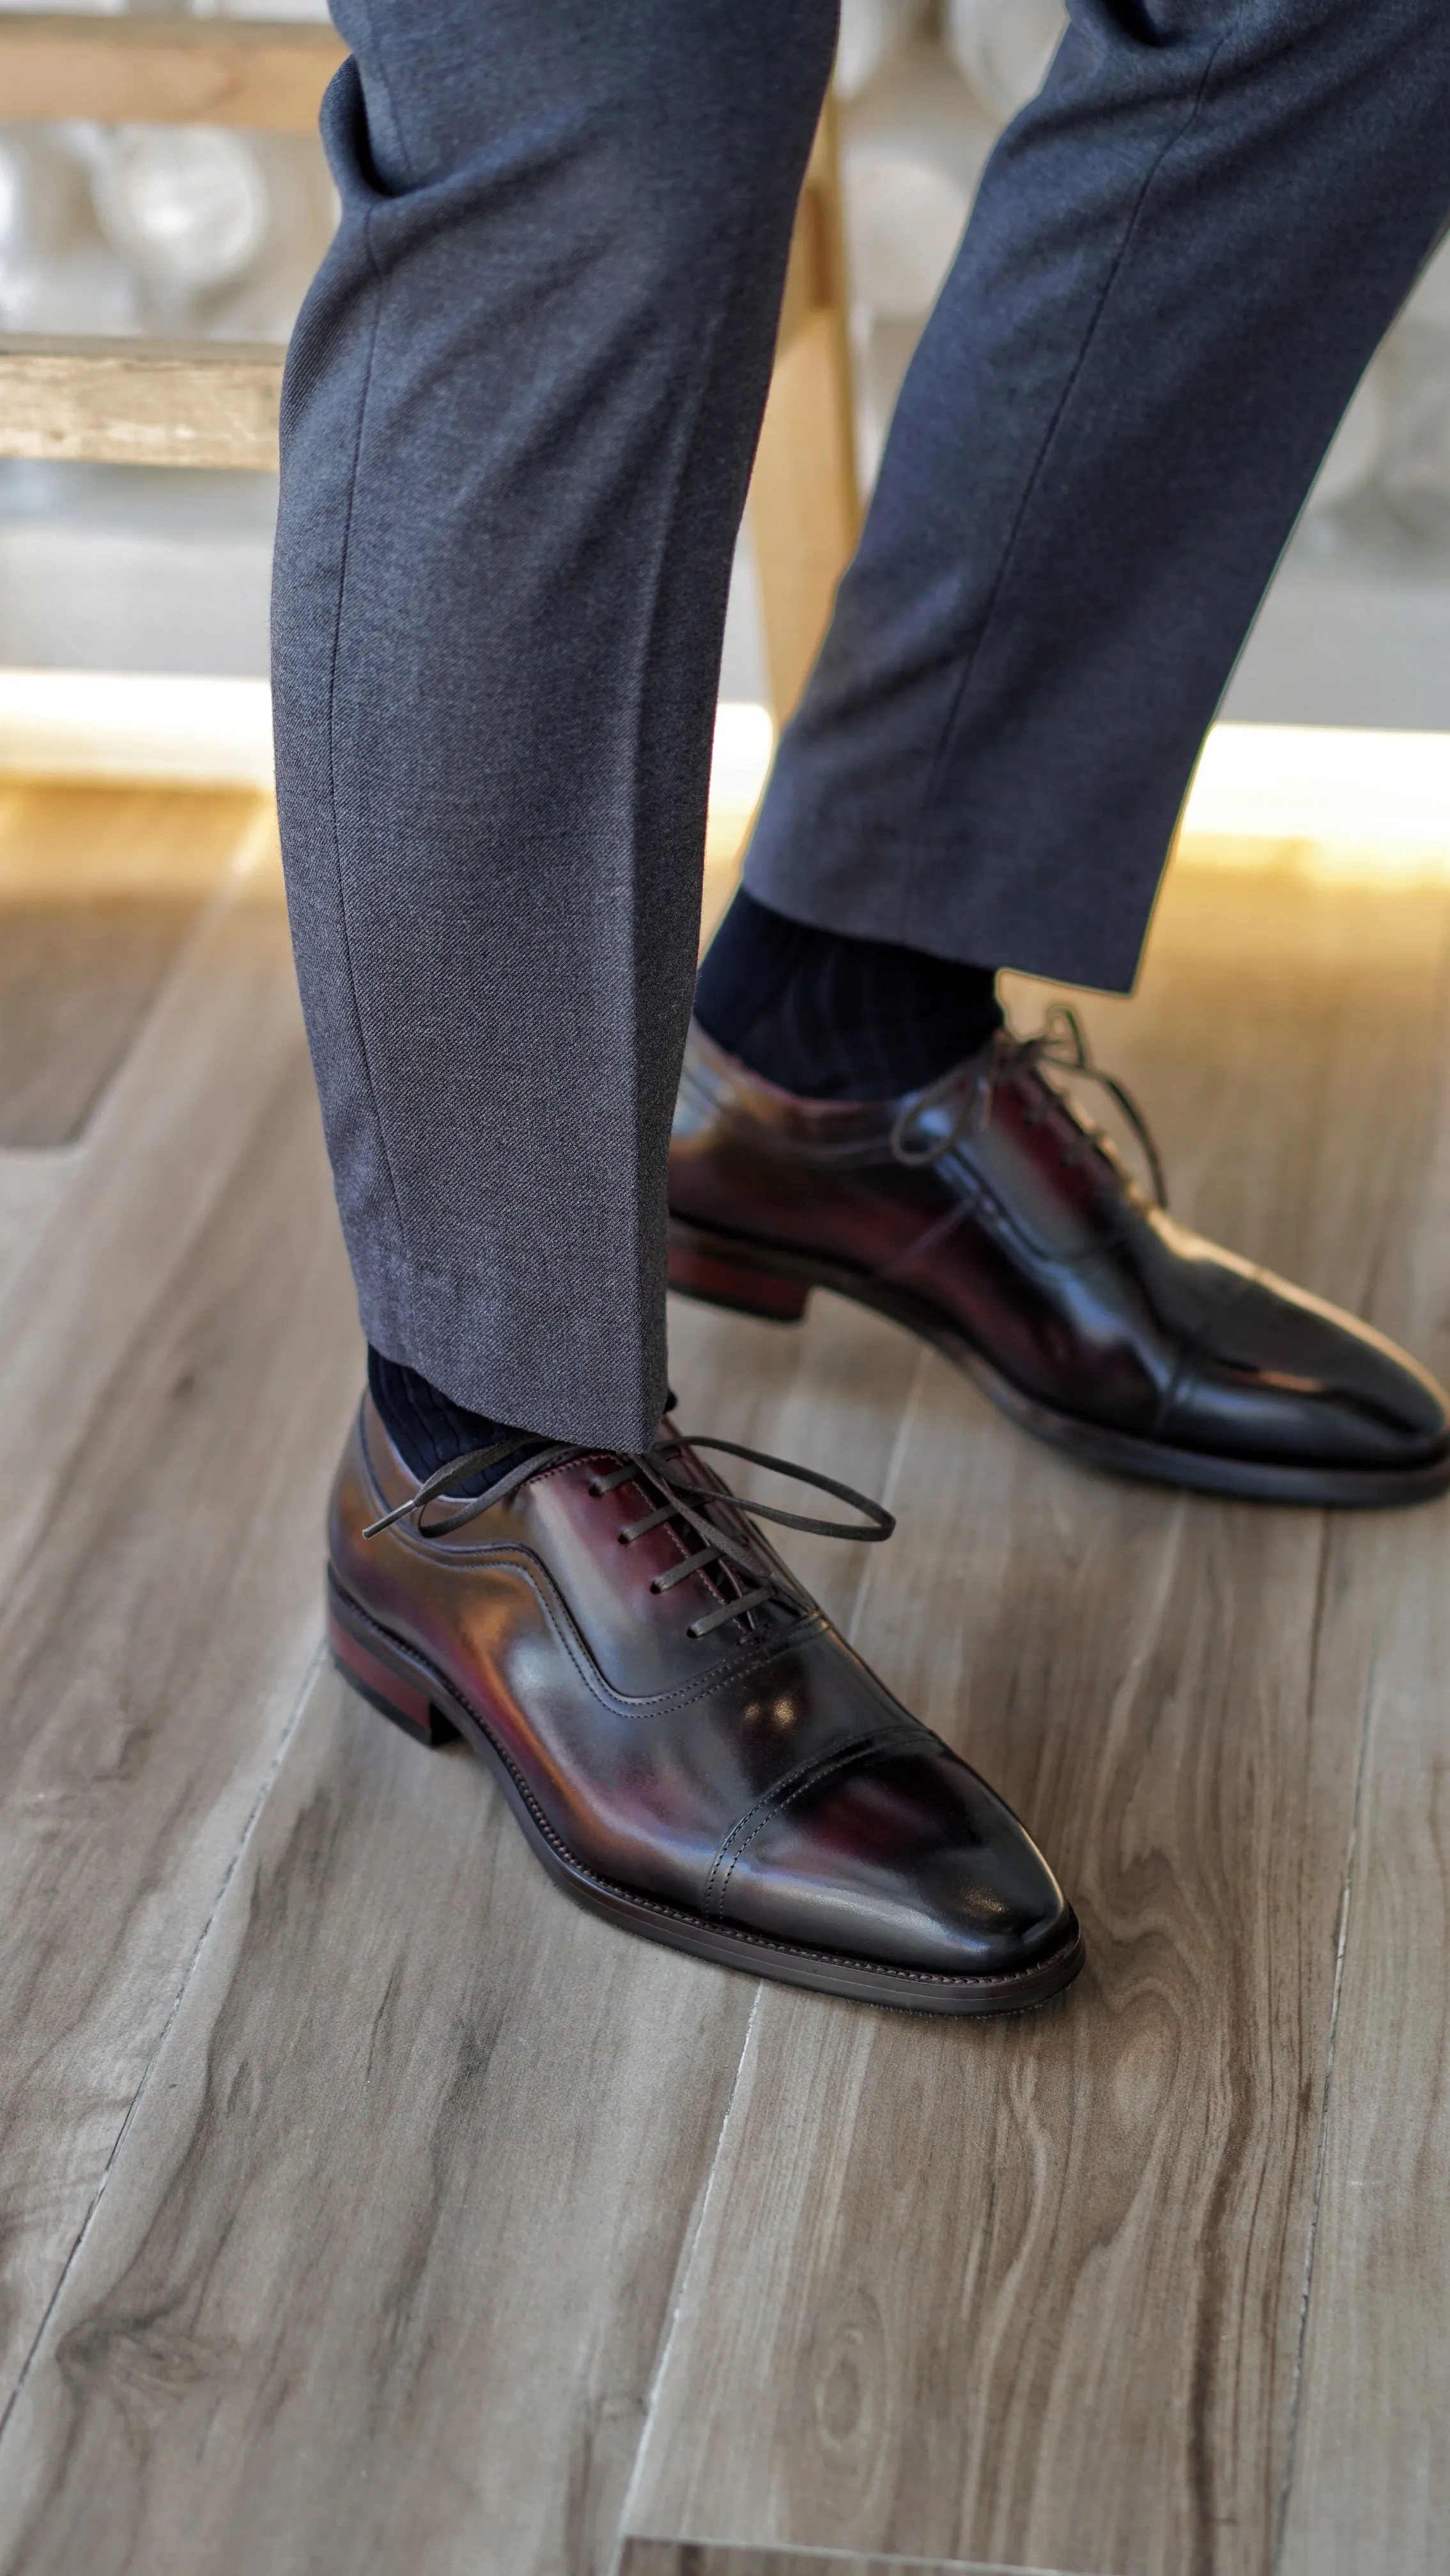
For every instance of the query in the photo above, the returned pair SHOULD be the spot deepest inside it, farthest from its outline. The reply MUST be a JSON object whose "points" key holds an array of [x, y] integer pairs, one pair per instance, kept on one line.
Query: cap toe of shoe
{"points": [[908, 1859], [1286, 1376]]}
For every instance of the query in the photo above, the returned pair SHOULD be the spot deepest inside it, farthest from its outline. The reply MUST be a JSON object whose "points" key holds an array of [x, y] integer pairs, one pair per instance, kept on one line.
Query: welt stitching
{"points": [[1049, 436]]}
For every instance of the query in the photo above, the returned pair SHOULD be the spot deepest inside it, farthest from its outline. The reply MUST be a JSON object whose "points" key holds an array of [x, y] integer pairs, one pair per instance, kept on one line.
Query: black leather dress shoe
{"points": [[988, 1215], [689, 1746]]}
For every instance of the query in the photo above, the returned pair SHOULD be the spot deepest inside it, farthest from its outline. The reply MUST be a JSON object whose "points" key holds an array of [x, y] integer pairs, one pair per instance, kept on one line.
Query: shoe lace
{"points": [[968, 1090], [721, 1521]]}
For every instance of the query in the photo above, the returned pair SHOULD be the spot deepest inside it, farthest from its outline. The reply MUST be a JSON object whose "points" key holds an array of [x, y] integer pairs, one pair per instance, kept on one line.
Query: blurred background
{"points": [[213, 234], [151, 231]]}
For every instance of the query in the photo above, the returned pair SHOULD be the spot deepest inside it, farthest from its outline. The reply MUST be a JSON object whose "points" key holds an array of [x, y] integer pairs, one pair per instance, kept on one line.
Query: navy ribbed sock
{"points": [[834, 1018], [427, 1429]]}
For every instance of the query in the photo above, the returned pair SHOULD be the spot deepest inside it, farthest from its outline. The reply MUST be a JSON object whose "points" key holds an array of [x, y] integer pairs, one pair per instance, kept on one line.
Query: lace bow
{"points": [[968, 1091]]}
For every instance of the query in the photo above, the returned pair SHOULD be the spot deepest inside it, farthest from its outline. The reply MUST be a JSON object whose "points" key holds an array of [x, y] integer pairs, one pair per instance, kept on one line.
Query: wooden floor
{"points": [[366, 2210]]}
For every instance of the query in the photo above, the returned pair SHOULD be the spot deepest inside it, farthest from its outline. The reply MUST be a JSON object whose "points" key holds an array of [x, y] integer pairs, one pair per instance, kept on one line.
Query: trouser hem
{"points": [[556, 1384], [970, 927]]}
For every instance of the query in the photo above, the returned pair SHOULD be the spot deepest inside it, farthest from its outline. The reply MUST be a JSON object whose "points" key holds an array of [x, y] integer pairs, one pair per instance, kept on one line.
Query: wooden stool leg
{"points": [[805, 510]]}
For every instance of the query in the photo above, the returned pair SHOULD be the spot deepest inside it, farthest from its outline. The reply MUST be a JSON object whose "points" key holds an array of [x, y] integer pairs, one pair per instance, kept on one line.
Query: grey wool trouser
{"points": [[518, 421]]}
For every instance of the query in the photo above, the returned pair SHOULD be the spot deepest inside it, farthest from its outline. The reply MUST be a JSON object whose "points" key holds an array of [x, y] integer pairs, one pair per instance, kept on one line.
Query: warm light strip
{"points": [[1370, 792], [1362, 790], [135, 725], [744, 746], [218, 732]]}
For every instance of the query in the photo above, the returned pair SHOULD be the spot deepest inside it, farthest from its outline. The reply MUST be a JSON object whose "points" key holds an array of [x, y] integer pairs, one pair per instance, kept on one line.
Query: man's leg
{"points": [[1183, 255], [520, 411]]}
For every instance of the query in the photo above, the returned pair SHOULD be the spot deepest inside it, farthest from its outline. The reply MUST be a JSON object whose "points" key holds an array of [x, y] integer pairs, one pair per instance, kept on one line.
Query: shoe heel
{"points": [[381, 1679], [721, 1273]]}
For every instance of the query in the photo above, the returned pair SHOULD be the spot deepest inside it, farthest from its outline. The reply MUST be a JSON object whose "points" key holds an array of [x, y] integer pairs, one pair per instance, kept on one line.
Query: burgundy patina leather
{"points": [[990, 1216], [731, 1780]]}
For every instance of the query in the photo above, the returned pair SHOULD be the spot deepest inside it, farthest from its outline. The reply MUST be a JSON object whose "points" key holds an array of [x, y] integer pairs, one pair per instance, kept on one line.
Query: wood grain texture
{"points": [[166, 71], [431, 2180], [1370, 2483], [76, 981], [177, 1359], [77, 849], [381, 2272], [1030, 2294], [31, 1185], [140, 402], [85, 842], [705, 2558], [98, 891]]}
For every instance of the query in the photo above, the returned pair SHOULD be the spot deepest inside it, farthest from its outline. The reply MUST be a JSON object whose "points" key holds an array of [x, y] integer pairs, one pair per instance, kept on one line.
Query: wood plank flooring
{"points": [[1369, 2482], [487, 2180], [94, 907], [364, 2206], [702, 2558]]}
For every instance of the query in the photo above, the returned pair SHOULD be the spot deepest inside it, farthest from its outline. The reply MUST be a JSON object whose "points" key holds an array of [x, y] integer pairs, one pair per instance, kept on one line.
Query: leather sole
{"points": [[774, 1284], [404, 1687]]}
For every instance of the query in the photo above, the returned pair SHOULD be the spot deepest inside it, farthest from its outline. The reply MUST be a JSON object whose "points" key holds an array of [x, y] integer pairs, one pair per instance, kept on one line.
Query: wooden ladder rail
{"points": [[804, 506], [213, 402]]}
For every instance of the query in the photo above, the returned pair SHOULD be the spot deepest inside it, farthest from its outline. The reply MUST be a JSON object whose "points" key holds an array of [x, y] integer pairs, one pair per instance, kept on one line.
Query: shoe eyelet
{"points": [[624, 1538], [692, 1632], [654, 1587], [592, 1489]]}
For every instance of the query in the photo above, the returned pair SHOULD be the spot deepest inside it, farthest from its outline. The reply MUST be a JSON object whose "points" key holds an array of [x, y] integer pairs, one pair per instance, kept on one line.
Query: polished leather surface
{"points": [[759, 1776], [1031, 1243]]}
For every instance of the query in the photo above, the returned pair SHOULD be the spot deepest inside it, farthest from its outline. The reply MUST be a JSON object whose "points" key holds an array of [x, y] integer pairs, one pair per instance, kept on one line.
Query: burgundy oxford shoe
{"points": [[988, 1215], [689, 1746]]}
